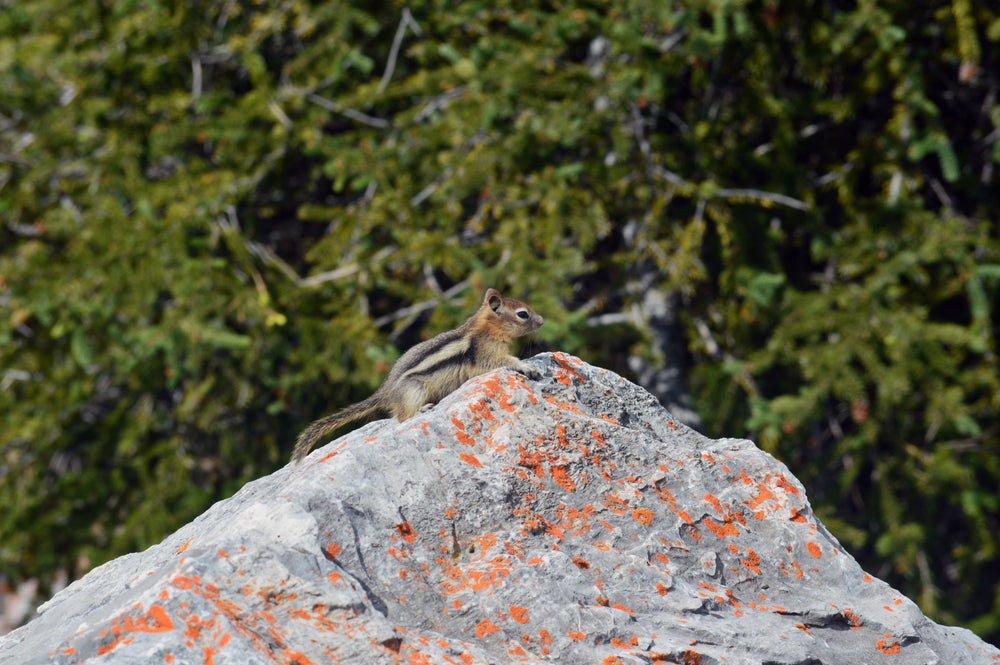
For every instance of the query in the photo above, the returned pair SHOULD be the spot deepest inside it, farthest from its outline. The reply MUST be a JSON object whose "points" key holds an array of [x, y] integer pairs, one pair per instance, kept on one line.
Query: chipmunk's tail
{"points": [[320, 428]]}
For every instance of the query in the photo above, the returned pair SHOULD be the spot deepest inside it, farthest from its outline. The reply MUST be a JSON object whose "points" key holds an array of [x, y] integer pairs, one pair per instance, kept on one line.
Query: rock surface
{"points": [[563, 520]]}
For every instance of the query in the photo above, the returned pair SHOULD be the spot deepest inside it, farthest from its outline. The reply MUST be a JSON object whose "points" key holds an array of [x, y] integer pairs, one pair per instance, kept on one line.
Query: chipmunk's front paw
{"points": [[531, 372]]}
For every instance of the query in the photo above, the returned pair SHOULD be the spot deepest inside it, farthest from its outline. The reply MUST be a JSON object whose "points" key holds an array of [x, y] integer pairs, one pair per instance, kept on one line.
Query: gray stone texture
{"points": [[567, 520]]}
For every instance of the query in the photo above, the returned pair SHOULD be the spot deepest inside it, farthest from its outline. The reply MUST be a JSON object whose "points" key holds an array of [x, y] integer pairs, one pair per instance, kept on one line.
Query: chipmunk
{"points": [[435, 367]]}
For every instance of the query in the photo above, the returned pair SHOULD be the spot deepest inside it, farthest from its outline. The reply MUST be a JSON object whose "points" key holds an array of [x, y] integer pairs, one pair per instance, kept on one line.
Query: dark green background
{"points": [[217, 214]]}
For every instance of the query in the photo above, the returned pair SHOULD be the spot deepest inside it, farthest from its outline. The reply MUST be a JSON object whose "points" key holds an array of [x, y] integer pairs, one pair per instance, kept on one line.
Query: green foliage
{"points": [[224, 219]]}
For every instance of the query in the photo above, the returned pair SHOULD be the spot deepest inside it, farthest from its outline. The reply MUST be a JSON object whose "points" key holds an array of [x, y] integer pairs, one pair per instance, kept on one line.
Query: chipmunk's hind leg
{"points": [[410, 397]]}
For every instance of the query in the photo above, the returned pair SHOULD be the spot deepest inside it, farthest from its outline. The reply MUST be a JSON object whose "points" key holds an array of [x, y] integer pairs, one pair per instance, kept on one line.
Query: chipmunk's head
{"points": [[510, 318]]}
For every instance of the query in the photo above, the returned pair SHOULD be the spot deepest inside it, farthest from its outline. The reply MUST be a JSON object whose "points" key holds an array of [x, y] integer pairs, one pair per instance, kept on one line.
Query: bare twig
{"points": [[195, 77], [431, 280], [330, 275], [68, 94], [930, 590], [759, 195], [357, 116], [397, 41], [699, 212], [369, 194], [706, 338], [639, 132], [804, 133], [836, 174], [670, 176], [344, 271], [895, 185], [230, 224], [734, 192], [671, 40], [25, 230], [280, 114], [267, 255], [432, 106], [426, 192], [220, 25], [611, 318], [12, 375], [12, 160], [418, 308], [986, 175], [942, 194], [715, 352]]}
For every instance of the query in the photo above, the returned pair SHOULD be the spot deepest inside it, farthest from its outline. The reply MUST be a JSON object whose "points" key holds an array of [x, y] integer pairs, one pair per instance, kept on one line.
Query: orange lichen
{"points": [[480, 410], [666, 497], [781, 482], [614, 504], [531, 461], [565, 369], [155, 620], [485, 627], [752, 562], [406, 532], [619, 606], [560, 476], [465, 439], [470, 459], [296, 658], [763, 494], [643, 516], [720, 530]]}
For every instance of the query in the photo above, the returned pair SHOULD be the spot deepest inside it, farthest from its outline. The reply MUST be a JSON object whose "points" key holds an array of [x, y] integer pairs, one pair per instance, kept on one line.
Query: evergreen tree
{"points": [[223, 219]]}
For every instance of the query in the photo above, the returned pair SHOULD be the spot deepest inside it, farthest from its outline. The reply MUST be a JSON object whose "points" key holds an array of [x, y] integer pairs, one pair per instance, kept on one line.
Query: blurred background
{"points": [[221, 219]]}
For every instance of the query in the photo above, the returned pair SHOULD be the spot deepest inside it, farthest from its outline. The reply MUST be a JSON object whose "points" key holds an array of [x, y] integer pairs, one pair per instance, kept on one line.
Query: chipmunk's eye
{"points": [[522, 314]]}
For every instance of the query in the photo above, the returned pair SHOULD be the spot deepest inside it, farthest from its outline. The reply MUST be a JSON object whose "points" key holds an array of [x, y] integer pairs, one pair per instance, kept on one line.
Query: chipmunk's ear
{"points": [[493, 299]]}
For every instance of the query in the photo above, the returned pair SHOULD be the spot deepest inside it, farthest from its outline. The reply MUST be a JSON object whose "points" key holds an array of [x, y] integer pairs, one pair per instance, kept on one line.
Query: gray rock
{"points": [[566, 520]]}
